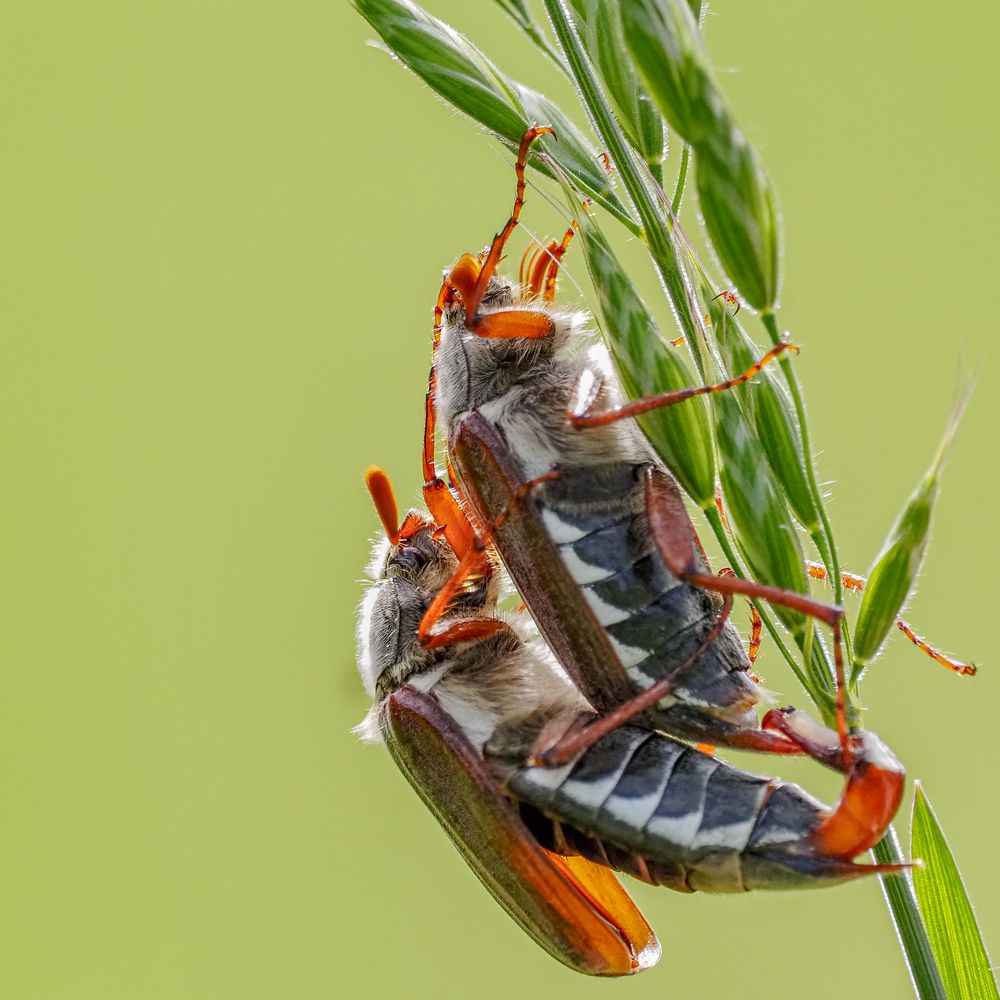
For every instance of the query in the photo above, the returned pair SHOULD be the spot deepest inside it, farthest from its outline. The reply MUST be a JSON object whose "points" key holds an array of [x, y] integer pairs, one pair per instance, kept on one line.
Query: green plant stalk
{"points": [[675, 202], [828, 554], [909, 922], [658, 237], [735, 564]]}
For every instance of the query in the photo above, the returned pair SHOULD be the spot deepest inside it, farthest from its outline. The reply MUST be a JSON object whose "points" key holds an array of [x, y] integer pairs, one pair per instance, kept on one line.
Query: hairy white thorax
{"points": [[524, 386]]}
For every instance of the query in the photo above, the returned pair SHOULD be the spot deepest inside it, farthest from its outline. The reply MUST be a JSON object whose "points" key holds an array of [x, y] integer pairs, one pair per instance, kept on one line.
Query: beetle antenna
{"points": [[382, 494]]}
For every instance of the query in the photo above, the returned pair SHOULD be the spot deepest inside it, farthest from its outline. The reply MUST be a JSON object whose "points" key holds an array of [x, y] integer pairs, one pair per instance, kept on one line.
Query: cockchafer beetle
{"points": [[464, 707], [590, 525]]}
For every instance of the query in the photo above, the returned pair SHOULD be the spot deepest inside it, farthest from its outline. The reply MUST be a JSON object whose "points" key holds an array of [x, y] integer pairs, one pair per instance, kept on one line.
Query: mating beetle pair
{"points": [[541, 798]]}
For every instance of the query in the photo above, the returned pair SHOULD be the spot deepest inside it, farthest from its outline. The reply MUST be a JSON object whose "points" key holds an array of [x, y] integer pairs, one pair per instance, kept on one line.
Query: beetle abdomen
{"points": [[668, 814], [595, 516]]}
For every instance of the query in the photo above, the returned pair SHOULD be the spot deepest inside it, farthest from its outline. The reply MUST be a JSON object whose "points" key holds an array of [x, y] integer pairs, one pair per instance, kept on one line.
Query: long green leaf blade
{"points": [[457, 70], [951, 923], [906, 918], [447, 61]]}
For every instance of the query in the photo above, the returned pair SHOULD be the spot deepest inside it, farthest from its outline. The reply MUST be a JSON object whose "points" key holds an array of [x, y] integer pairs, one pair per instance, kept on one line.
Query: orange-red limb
{"points": [[472, 300], [467, 630], [462, 281], [871, 795], [468, 280], [756, 626], [473, 567], [670, 527], [449, 516], [510, 324], [957, 666], [638, 406], [722, 511], [728, 296], [430, 422], [446, 295], [517, 496], [440, 500], [474, 561], [556, 255], [857, 584], [850, 581]]}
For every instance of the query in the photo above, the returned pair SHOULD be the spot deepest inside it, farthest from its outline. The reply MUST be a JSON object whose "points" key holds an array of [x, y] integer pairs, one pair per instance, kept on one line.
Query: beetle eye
{"points": [[409, 558]]}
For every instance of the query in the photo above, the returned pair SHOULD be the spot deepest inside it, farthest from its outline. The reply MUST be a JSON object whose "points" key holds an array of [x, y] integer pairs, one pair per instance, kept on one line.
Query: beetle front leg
{"points": [[474, 297], [471, 546]]}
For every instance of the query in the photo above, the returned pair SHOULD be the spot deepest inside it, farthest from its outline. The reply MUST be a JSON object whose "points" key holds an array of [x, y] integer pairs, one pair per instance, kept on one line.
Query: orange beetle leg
{"points": [[638, 406]]}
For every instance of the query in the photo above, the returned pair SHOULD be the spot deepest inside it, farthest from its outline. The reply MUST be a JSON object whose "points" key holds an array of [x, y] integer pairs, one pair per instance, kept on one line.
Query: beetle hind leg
{"points": [[671, 531], [872, 792]]}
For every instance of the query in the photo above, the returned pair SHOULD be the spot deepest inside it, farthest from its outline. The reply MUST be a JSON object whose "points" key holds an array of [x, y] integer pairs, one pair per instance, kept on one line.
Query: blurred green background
{"points": [[223, 230]]}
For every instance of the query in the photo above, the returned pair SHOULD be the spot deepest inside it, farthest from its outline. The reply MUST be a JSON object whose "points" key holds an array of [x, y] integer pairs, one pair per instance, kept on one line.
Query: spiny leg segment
{"points": [[857, 584], [636, 407]]}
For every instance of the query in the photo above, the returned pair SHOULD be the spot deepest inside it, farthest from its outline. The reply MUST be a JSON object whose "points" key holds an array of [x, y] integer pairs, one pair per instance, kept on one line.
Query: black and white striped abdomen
{"points": [[595, 515], [668, 814]]}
